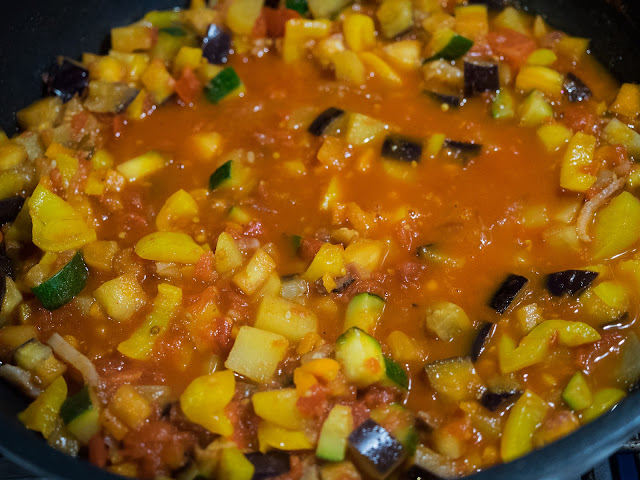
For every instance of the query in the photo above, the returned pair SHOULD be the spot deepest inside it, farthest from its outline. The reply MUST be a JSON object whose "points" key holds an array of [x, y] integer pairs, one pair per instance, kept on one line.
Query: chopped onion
{"points": [[591, 206], [295, 287], [21, 379], [73, 357]]}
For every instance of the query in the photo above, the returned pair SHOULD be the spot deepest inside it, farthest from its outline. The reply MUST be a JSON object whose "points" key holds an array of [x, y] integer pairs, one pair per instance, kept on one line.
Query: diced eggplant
{"points": [[109, 97], [3, 287], [455, 379], [216, 45], [322, 122], [375, 451], [497, 5], [272, 3], [342, 283], [480, 77], [492, 401], [65, 79], [462, 151], [6, 265], [398, 147], [429, 465], [570, 282], [576, 89], [10, 208], [484, 333], [270, 464], [507, 292], [451, 100]]}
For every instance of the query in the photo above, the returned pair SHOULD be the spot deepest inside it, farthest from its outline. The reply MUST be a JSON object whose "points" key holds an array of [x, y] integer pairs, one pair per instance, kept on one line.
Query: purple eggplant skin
{"points": [[272, 3], [10, 208], [497, 5], [451, 100], [480, 77], [492, 401], [484, 333], [270, 464], [65, 79], [398, 147], [322, 121], [570, 282], [416, 472], [374, 451], [507, 292], [576, 89], [216, 45]]}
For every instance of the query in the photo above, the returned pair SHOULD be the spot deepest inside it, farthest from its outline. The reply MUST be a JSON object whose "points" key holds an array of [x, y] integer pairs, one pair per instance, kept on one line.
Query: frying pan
{"points": [[33, 33]]}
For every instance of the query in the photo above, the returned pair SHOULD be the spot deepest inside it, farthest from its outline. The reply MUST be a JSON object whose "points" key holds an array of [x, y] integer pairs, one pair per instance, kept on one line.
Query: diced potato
{"points": [[228, 256], [512, 19], [367, 254], [288, 319], [12, 154], [577, 158], [169, 247], [205, 146], [362, 129], [187, 57], [616, 227], [142, 166], [573, 48], [255, 273], [380, 69], [554, 136], [298, 31], [404, 53], [158, 81], [279, 408], [349, 67], [99, 254], [617, 133], [256, 353], [627, 101], [121, 297], [472, 21], [40, 114], [328, 260], [130, 407]]}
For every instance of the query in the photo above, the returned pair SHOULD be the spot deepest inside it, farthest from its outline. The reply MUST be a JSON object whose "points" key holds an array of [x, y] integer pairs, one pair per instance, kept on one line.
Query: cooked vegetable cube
{"points": [[396, 374], [455, 378], [359, 32], [448, 45], [234, 465], [142, 166], [480, 77], [398, 147], [507, 292], [204, 399], [323, 121], [81, 415], [617, 132], [328, 261], [502, 105], [543, 79], [228, 256], [270, 464], [288, 319], [242, 15], [225, 84], [627, 101], [364, 311], [570, 282], [480, 340], [121, 297], [361, 357], [256, 353], [617, 226], [576, 161], [299, 31], [61, 288], [375, 451], [332, 443], [603, 401], [171, 247], [326, 8], [42, 414], [66, 79], [554, 136], [216, 45], [133, 38], [255, 273], [523, 419], [535, 110], [279, 407], [395, 17]]}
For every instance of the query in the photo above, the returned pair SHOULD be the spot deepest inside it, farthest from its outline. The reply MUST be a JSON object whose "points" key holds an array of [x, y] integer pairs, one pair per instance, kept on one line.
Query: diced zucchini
{"points": [[617, 133], [577, 393], [256, 353], [62, 287], [603, 401], [535, 110], [298, 31], [286, 318], [81, 415], [456, 379], [395, 17], [447, 320], [362, 129], [38, 359], [227, 255], [361, 357], [326, 8], [332, 443], [228, 175], [225, 84], [364, 311], [448, 45], [396, 375], [400, 422], [502, 105], [299, 6]]}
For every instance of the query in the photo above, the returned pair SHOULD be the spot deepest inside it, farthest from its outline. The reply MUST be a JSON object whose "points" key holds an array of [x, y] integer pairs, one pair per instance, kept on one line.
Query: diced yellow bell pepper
{"points": [[179, 210], [256, 353], [627, 101], [472, 21], [348, 67], [142, 166], [554, 136], [143, 339], [227, 255], [242, 15], [544, 79], [279, 407], [205, 146], [12, 154], [42, 414], [256, 273], [133, 38], [533, 348], [107, 69], [274, 436], [380, 69], [359, 32], [234, 465], [404, 53], [135, 64], [158, 81], [542, 56], [577, 158], [512, 19], [288, 319], [298, 31], [523, 420], [170, 247], [56, 225], [403, 348], [99, 254], [190, 57], [603, 401], [331, 194], [121, 297], [329, 259], [130, 406], [395, 17], [326, 369], [573, 48], [204, 400], [616, 227]]}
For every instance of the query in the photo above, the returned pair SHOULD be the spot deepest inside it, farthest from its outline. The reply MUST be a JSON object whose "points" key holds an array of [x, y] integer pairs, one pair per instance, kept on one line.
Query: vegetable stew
{"points": [[318, 239]]}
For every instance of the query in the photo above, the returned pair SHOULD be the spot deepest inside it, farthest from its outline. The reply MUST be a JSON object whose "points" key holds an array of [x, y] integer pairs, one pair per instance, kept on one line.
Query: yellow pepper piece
{"points": [[255, 273], [627, 101], [130, 407], [348, 67], [42, 414], [141, 166], [329, 259], [165, 306], [525, 416], [533, 348], [359, 32], [279, 407], [542, 56], [242, 15], [273, 436], [326, 369], [179, 210], [579, 155], [204, 400], [234, 465], [304, 381], [544, 79], [603, 401], [381, 69], [228, 256], [617, 226], [57, 226], [170, 247], [297, 32]]}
